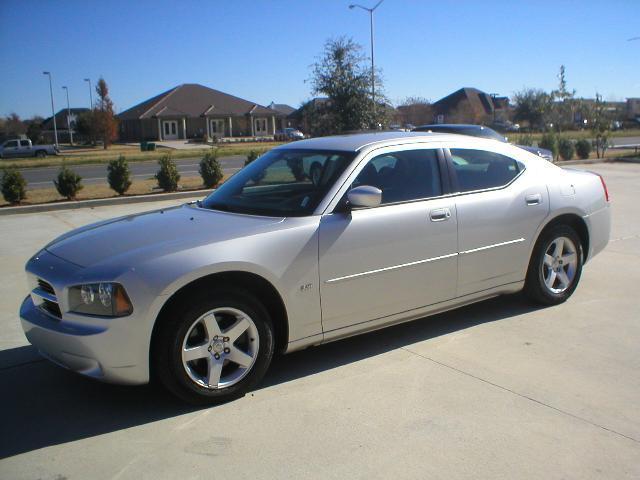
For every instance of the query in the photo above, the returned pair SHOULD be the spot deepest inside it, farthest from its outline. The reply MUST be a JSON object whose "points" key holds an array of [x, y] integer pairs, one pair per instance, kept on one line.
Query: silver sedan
{"points": [[394, 227]]}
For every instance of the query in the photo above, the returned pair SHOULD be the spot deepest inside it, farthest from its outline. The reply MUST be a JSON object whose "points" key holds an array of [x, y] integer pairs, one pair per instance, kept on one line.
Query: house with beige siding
{"points": [[192, 111]]}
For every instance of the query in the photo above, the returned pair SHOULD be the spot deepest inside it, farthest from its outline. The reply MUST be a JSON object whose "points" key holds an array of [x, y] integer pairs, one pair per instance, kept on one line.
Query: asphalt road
{"points": [[499, 389], [97, 174]]}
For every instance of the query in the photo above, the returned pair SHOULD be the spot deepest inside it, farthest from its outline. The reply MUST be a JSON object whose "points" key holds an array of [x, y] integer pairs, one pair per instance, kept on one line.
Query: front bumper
{"points": [[96, 352]]}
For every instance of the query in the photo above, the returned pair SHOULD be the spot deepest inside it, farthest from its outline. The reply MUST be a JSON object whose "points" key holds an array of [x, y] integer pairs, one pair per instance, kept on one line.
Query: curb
{"points": [[596, 160], [101, 202]]}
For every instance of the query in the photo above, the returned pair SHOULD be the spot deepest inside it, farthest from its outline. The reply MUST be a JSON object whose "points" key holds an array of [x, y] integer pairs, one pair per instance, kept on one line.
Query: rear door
{"points": [[396, 257], [25, 148], [500, 208]]}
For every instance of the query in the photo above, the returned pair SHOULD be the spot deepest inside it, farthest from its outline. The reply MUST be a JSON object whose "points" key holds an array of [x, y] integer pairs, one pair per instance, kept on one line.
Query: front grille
{"points": [[46, 298], [52, 307], [46, 287]]}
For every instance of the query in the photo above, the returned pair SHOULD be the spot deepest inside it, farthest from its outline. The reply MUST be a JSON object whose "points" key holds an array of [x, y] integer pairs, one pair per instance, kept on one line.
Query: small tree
{"points": [[105, 122], [583, 148], [550, 141], [210, 169], [601, 126], [566, 149], [251, 157], [14, 186], [118, 175], [167, 176], [69, 183], [532, 106], [563, 103]]}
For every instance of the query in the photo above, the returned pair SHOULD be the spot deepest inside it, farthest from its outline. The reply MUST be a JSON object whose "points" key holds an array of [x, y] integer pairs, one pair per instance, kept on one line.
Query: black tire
{"points": [[166, 356], [535, 288], [41, 154]]}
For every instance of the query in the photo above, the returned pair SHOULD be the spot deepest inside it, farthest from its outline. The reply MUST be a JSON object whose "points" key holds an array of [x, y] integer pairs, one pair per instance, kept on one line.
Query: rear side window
{"points": [[480, 169], [403, 176], [24, 143]]}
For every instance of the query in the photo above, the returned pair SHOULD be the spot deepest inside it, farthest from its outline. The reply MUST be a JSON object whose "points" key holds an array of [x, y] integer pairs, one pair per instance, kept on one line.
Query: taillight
{"points": [[604, 186]]}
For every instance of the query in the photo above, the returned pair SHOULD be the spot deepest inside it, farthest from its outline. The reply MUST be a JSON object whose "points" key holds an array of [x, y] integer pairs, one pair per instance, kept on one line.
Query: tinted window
{"points": [[24, 143], [479, 169], [403, 176], [282, 182], [11, 144]]}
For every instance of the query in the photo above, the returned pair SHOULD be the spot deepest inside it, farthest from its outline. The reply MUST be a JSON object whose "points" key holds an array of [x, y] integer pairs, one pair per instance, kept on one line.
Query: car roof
{"points": [[357, 141]]}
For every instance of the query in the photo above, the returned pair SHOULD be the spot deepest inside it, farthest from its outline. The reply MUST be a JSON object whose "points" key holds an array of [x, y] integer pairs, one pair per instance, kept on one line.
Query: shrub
{"points": [[69, 183], [550, 141], [525, 140], [168, 176], [13, 186], [566, 149], [118, 175], [210, 169], [583, 148], [251, 157]]}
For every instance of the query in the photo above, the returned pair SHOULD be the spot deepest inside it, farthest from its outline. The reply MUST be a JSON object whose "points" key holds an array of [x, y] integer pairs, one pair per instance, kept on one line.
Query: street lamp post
{"points": [[90, 94], [69, 117], [373, 77], [53, 112]]}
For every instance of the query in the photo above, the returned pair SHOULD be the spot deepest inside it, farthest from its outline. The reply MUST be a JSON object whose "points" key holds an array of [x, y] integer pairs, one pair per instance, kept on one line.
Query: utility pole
{"points": [[53, 112], [69, 117], [90, 94], [373, 68]]}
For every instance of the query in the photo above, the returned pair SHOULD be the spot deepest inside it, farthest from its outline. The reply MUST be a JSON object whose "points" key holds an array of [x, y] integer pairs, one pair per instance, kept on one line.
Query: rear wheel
{"points": [[555, 266], [215, 351]]}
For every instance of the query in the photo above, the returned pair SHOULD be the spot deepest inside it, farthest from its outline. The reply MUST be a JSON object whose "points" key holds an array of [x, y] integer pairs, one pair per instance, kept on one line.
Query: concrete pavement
{"points": [[494, 390]]}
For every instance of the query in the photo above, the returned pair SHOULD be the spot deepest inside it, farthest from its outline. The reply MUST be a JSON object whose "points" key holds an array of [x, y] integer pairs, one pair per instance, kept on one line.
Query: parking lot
{"points": [[499, 389]]}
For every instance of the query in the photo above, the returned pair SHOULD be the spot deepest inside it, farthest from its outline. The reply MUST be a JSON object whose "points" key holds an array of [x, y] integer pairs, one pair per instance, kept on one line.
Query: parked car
{"points": [[400, 226], [289, 134], [19, 147], [482, 132]]}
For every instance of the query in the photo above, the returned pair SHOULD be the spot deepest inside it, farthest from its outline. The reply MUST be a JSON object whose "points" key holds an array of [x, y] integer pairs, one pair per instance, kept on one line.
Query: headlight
{"points": [[104, 299]]}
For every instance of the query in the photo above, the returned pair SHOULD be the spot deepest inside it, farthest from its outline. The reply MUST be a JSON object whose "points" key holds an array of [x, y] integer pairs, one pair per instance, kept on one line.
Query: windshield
{"points": [[281, 183]]}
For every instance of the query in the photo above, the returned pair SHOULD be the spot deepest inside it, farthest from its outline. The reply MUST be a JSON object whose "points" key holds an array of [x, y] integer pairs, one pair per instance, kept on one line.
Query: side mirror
{"points": [[365, 196]]}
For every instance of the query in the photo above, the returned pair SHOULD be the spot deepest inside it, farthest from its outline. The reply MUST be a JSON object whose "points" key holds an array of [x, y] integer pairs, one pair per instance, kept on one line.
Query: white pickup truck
{"points": [[24, 148]]}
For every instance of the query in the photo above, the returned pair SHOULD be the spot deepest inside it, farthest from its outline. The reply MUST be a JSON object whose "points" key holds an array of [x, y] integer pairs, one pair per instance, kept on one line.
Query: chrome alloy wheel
{"points": [[559, 265], [220, 348]]}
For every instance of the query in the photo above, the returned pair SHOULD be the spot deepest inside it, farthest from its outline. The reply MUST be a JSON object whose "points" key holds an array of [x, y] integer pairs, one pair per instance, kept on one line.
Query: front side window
{"points": [[11, 144], [281, 183], [480, 169], [403, 176]]}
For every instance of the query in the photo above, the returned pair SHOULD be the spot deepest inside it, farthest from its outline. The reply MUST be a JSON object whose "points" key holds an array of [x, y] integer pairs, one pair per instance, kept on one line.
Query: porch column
{"points": [[207, 124], [184, 128], [159, 129], [251, 121], [273, 125], [230, 128]]}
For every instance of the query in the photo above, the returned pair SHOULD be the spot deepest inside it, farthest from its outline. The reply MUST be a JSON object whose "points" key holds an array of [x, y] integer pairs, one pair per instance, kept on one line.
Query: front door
{"points": [[399, 256], [217, 128], [498, 221], [260, 127], [169, 130]]}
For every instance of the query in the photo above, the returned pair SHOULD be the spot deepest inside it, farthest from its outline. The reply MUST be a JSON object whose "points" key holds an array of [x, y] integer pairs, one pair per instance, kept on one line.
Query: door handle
{"points": [[440, 214], [533, 199]]}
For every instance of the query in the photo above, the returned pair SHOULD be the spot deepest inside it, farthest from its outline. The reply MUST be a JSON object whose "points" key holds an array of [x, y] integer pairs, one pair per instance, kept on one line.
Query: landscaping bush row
{"points": [[68, 183], [561, 147]]}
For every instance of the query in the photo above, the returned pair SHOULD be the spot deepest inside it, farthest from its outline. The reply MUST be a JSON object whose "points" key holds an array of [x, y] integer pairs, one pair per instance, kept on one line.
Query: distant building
{"points": [[195, 111], [284, 111], [62, 126], [633, 108], [470, 105]]}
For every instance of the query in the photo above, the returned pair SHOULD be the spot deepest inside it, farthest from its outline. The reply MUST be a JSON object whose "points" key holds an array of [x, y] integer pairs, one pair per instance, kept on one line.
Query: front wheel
{"points": [[555, 266], [216, 350]]}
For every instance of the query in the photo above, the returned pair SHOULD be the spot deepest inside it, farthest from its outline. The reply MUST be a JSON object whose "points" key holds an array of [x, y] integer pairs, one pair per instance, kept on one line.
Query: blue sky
{"points": [[261, 49]]}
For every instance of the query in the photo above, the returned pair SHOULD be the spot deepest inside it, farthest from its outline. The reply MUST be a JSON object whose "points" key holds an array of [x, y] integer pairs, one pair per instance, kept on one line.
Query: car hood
{"points": [[159, 231]]}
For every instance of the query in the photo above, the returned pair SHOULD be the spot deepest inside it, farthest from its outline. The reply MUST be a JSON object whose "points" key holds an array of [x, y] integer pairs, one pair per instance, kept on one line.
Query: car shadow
{"points": [[44, 405]]}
